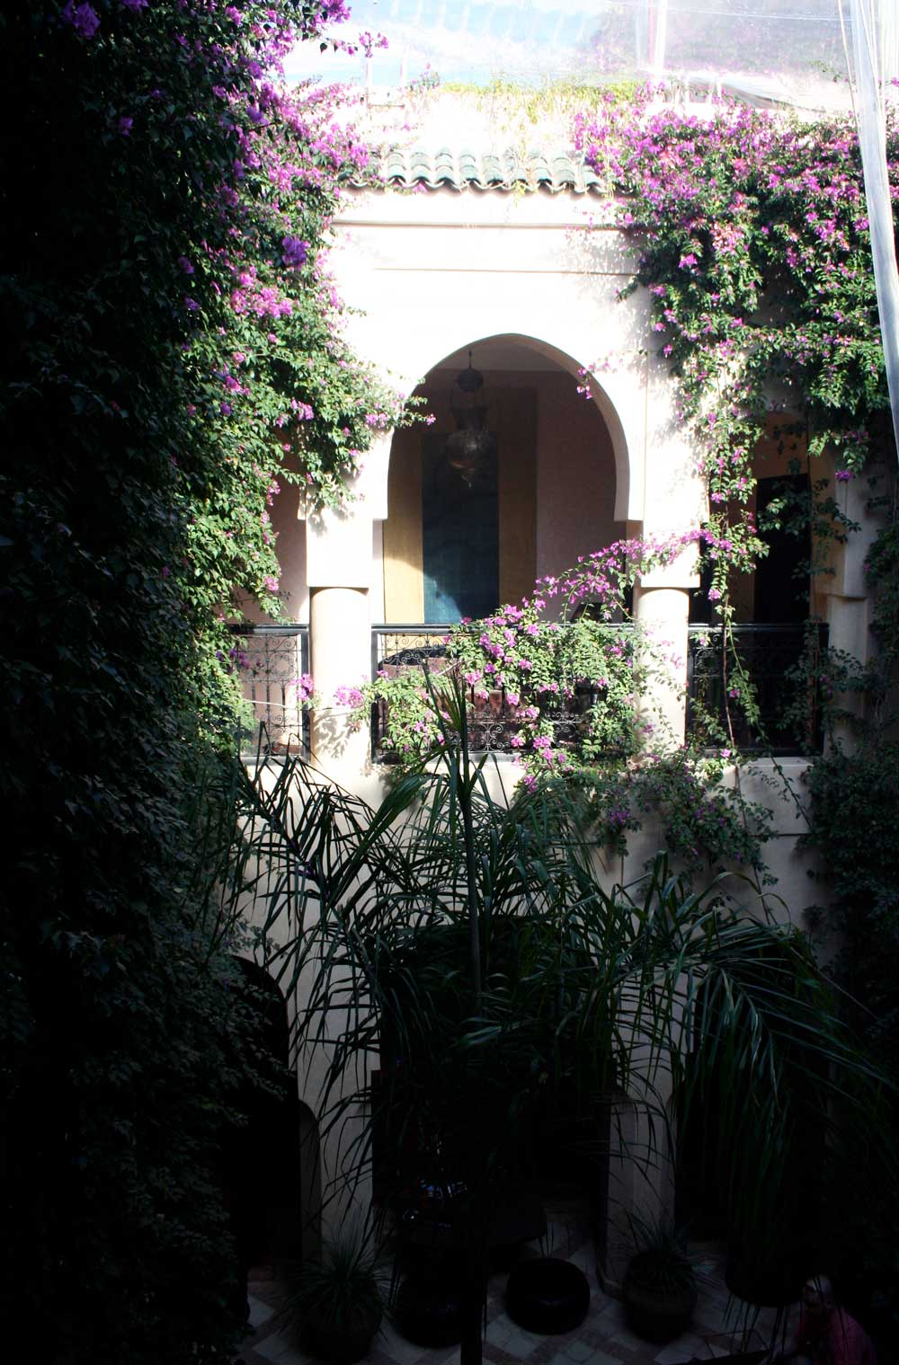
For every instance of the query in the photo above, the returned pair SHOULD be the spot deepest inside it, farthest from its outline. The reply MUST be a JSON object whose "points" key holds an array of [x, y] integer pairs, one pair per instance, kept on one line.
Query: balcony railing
{"points": [[790, 718], [399, 649], [789, 712], [272, 660]]}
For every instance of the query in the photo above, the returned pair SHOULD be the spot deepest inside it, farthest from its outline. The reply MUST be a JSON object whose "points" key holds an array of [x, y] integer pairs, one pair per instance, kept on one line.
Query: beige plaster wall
{"points": [[434, 273], [512, 417], [575, 477], [291, 549]]}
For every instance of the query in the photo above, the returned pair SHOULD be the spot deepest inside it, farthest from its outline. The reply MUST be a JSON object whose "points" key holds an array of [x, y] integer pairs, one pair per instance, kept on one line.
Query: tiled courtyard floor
{"points": [[719, 1326]]}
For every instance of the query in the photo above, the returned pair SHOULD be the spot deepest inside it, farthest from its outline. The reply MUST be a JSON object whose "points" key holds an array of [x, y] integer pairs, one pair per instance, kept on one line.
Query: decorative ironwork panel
{"points": [[274, 666], [397, 649], [770, 655]]}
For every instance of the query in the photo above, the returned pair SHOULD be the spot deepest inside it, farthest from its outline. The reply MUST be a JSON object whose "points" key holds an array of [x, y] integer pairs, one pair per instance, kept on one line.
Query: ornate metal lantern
{"points": [[469, 445]]}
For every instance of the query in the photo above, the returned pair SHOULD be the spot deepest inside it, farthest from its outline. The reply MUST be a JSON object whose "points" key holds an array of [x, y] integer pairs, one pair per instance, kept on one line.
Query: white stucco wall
{"points": [[435, 272]]}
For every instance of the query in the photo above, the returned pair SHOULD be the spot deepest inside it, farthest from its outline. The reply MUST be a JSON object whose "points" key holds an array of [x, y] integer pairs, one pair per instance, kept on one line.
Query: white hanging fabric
{"points": [[875, 62]]}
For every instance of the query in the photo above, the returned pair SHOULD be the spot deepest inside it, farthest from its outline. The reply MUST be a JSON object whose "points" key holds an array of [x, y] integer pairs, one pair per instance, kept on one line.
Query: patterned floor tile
{"points": [[684, 1348], [260, 1311], [279, 1348], [602, 1339], [577, 1351]]}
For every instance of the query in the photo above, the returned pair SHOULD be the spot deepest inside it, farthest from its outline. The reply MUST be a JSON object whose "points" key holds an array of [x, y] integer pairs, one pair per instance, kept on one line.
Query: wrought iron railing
{"points": [[789, 710], [397, 648], [493, 721], [273, 661], [786, 695]]}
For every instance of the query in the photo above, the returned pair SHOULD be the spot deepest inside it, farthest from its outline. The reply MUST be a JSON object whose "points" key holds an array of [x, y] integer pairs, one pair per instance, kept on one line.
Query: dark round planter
{"points": [[656, 1315], [342, 1346], [429, 1310], [547, 1295]]}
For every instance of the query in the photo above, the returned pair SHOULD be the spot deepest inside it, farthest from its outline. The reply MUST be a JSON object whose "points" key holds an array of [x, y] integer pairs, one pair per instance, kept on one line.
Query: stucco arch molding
{"points": [[618, 396]]}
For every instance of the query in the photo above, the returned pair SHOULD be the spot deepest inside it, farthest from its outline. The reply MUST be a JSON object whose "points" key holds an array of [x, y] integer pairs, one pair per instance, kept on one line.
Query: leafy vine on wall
{"points": [[753, 244]]}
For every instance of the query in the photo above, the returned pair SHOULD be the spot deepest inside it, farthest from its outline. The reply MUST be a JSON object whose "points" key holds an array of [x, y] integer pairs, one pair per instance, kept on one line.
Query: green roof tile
{"points": [[446, 169]]}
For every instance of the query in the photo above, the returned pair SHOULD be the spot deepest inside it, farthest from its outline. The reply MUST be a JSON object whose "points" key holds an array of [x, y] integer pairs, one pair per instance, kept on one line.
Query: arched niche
{"points": [[559, 485]]}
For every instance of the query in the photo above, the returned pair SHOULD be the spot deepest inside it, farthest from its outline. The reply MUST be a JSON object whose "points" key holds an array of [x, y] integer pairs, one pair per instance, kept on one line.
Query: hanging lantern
{"points": [[468, 446]]}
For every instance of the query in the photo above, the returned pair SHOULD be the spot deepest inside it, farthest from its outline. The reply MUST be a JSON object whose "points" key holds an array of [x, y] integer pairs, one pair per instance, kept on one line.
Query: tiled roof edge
{"points": [[555, 170]]}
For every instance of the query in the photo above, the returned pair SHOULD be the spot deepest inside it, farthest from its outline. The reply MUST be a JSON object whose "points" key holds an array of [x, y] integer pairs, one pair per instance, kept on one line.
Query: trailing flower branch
{"points": [[571, 699], [755, 250], [232, 180]]}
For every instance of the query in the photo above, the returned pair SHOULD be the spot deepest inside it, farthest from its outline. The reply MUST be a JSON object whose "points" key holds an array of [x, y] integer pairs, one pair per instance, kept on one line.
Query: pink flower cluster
{"points": [[350, 696], [756, 255]]}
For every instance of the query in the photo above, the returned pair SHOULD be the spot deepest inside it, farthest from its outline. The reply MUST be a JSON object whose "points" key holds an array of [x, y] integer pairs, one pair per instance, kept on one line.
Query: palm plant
{"points": [[659, 1288], [337, 1301], [361, 912], [661, 1261]]}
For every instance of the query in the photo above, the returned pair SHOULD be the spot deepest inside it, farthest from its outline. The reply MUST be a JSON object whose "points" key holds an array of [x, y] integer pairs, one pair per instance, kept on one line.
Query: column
{"points": [[340, 649], [662, 613], [339, 572]]}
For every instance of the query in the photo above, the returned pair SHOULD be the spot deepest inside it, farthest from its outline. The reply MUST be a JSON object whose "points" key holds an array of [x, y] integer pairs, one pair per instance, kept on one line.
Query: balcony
{"points": [[768, 654], [272, 660], [789, 712], [399, 649]]}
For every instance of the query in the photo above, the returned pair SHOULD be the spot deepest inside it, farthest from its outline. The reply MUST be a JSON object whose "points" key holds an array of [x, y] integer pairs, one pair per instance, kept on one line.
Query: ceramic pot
{"points": [[657, 1314], [344, 1345]]}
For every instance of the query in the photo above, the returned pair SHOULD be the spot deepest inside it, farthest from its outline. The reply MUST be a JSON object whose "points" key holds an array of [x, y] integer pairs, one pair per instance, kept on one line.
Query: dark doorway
{"points": [[781, 578], [460, 534], [262, 1154]]}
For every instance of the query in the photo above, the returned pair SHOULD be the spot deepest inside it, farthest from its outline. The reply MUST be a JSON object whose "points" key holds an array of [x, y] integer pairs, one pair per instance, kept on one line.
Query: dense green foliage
{"points": [[571, 699], [168, 329], [754, 246], [855, 808]]}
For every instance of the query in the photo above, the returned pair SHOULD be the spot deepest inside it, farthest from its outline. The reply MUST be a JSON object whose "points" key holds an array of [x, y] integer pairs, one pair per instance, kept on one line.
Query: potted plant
{"points": [[336, 1303], [659, 1286]]}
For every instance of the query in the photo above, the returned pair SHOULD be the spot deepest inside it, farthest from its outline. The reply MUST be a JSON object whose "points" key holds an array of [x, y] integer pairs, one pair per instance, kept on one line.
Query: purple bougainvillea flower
{"points": [[125, 124], [294, 252], [843, 475], [185, 265], [134, 5], [82, 18]]}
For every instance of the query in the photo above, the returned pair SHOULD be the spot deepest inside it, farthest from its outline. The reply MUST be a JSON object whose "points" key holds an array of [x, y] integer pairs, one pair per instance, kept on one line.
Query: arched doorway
{"points": [[466, 533]]}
